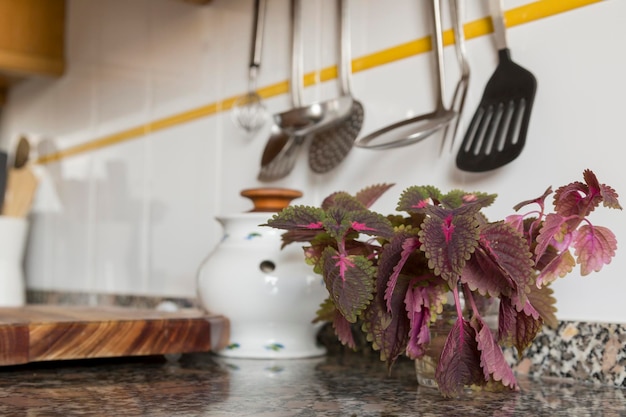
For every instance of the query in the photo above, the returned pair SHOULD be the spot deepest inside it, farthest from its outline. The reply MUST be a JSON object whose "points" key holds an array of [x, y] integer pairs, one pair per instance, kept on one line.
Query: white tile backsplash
{"points": [[137, 217]]}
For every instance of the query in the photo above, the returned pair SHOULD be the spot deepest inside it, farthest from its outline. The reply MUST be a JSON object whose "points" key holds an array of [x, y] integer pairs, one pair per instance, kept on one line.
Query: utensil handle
{"points": [[499, 26], [258, 25], [345, 57], [296, 54], [438, 48]]}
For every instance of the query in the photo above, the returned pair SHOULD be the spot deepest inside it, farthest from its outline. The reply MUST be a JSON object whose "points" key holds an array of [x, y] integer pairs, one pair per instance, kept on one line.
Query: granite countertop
{"points": [[347, 384]]}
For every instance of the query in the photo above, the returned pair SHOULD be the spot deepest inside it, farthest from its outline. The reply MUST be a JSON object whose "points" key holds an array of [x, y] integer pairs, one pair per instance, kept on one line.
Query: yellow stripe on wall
{"points": [[514, 17]]}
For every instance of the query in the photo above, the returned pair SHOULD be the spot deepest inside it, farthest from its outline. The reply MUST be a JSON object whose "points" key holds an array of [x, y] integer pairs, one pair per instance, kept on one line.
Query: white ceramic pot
{"points": [[269, 294]]}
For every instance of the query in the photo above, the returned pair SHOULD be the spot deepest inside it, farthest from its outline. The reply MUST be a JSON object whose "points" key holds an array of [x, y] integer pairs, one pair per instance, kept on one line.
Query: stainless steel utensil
{"points": [[497, 132], [249, 112], [281, 150], [460, 91], [417, 128], [331, 146]]}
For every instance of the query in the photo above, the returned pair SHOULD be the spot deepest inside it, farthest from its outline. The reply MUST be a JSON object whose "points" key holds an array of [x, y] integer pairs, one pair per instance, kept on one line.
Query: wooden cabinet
{"points": [[32, 39]]}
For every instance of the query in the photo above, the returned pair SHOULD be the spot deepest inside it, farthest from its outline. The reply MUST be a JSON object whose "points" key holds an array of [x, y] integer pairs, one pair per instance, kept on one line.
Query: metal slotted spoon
{"points": [[497, 132], [249, 112], [331, 146]]}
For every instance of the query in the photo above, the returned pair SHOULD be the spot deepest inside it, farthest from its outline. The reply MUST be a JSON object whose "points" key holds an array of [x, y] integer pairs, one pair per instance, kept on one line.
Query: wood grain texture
{"points": [[45, 333]]}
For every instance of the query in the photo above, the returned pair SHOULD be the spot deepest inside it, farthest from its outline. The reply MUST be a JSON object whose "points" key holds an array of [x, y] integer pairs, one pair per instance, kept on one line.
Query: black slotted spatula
{"points": [[497, 133]]}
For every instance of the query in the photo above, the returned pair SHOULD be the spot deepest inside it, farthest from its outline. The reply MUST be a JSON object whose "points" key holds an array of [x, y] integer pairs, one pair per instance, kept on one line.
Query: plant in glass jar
{"points": [[393, 274]]}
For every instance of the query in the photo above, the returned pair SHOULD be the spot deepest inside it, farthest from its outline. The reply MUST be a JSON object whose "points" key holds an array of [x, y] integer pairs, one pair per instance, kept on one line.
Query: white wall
{"points": [[137, 217]]}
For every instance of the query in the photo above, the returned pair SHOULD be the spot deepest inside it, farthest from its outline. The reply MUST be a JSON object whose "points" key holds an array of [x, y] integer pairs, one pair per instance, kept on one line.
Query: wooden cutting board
{"points": [[48, 332]]}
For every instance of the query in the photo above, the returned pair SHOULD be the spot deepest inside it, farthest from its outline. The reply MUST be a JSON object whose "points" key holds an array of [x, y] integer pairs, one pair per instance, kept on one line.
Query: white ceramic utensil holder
{"points": [[13, 234], [269, 294]]}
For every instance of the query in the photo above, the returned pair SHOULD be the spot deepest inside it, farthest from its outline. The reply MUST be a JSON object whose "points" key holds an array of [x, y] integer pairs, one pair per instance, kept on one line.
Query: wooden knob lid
{"points": [[270, 199]]}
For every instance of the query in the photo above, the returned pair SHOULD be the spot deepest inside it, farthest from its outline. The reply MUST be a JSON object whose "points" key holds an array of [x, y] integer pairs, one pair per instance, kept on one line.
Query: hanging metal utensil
{"points": [[249, 112], [417, 128], [497, 132], [460, 92], [331, 146], [282, 148]]}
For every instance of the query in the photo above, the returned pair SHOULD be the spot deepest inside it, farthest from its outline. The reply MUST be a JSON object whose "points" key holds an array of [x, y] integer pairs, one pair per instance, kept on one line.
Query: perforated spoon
{"points": [[331, 146]]}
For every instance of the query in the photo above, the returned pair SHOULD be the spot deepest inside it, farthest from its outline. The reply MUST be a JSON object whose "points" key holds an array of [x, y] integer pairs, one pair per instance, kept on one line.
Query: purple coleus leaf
{"points": [[481, 273], [392, 258], [388, 332], [349, 280], [371, 223], [539, 200], [542, 300], [492, 361], [448, 241], [517, 328], [559, 266], [371, 194], [343, 330], [594, 247], [509, 250], [420, 301], [608, 194], [342, 200], [297, 217], [339, 222], [459, 364], [416, 198], [460, 198], [553, 231]]}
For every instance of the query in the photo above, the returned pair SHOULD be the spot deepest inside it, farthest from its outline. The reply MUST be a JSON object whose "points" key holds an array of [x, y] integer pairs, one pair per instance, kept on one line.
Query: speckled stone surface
{"points": [[590, 352], [333, 385], [587, 352]]}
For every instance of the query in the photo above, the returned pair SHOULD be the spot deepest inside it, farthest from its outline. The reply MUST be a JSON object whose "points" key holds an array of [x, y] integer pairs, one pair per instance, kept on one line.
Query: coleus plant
{"points": [[393, 273]]}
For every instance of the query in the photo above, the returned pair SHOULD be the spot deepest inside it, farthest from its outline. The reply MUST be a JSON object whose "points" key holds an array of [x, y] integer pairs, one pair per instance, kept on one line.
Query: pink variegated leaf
{"points": [[560, 265], [459, 364], [492, 361], [553, 229], [594, 247], [349, 280], [297, 217], [571, 200], [371, 194], [448, 243]]}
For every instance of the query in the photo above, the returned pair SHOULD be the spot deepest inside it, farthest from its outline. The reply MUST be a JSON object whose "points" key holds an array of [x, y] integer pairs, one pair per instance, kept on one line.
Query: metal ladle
{"points": [[293, 127], [417, 128]]}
